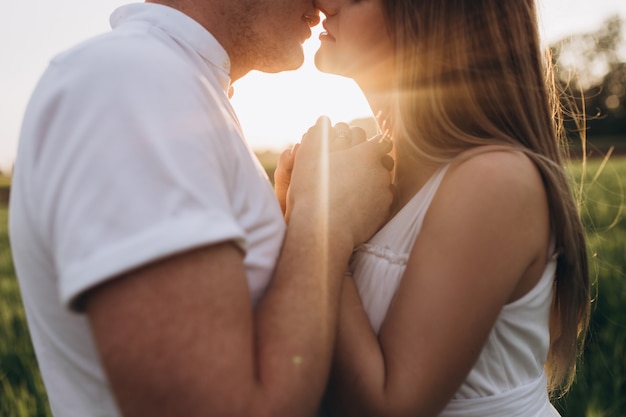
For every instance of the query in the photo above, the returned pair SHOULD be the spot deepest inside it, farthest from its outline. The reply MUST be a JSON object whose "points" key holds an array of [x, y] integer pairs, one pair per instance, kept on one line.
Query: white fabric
{"points": [[129, 152], [509, 370], [530, 399]]}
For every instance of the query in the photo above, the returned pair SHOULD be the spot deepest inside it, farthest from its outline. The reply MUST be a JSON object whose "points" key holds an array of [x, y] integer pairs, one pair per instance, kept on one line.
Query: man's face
{"points": [[270, 33]]}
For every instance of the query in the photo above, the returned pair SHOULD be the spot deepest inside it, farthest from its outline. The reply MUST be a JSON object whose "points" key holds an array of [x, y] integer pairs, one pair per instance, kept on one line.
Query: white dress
{"points": [[508, 378]]}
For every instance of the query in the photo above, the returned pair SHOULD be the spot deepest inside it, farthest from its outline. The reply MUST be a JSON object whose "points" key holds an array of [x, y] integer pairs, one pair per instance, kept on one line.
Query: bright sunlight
{"points": [[276, 109]]}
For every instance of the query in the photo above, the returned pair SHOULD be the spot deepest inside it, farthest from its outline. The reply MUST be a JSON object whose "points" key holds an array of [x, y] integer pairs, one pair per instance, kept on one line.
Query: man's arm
{"points": [[179, 336]]}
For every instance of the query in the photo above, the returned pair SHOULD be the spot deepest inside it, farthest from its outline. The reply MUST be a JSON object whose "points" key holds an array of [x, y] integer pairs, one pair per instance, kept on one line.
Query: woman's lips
{"points": [[325, 36]]}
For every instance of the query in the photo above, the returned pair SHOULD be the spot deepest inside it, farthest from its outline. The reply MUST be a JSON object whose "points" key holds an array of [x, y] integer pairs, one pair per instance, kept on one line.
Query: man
{"points": [[145, 235]]}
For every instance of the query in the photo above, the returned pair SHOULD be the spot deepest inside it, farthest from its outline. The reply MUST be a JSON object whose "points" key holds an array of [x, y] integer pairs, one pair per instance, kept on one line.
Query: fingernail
{"points": [[342, 134]]}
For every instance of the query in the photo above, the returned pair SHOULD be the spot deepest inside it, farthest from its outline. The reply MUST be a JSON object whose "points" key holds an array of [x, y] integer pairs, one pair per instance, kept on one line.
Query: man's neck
{"points": [[214, 17]]}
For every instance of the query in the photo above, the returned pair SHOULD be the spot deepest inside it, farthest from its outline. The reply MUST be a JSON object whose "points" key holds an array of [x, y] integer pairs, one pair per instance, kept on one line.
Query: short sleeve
{"points": [[135, 163]]}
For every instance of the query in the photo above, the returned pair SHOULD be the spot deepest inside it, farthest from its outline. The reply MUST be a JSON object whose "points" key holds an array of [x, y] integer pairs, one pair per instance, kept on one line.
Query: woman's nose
{"points": [[328, 7]]}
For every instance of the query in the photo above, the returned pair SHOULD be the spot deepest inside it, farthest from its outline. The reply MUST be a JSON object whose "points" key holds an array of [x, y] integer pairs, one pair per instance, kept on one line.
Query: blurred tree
{"points": [[590, 56], [590, 68]]}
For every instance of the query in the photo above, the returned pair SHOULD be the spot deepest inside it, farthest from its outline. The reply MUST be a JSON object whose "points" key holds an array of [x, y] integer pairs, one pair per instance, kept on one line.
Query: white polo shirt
{"points": [[129, 152]]}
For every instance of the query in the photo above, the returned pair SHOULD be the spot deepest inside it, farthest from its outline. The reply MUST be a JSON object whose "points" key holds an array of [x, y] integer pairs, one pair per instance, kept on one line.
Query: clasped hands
{"points": [[337, 172]]}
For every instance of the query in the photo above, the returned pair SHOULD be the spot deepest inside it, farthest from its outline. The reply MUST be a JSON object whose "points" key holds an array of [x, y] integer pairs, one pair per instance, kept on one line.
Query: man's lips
{"points": [[325, 36], [311, 19]]}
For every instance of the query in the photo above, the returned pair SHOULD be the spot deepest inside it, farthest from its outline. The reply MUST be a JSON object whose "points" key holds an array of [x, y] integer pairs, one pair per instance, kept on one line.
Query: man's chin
{"points": [[289, 62]]}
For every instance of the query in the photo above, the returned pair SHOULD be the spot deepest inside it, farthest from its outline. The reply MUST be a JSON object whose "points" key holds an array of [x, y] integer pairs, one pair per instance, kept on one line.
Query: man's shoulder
{"points": [[115, 52], [114, 66]]}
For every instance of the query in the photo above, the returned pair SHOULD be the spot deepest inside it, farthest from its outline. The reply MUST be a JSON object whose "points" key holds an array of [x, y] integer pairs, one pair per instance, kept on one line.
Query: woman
{"points": [[479, 281]]}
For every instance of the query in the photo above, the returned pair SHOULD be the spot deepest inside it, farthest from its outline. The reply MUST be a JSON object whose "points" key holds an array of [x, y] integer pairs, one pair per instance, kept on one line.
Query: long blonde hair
{"points": [[471, 73]]}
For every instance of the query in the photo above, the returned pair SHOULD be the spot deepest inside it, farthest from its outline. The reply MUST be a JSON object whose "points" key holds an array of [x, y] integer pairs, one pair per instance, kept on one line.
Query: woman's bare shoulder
{"points": [[497, 173], [492, 199]]}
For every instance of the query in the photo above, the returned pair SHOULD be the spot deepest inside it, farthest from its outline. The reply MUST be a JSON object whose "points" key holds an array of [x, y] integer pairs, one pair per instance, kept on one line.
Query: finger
{"points": [[319, 135], [342, 129], [284, 156], [324, 127], [284, 166], [342, 136], [387, 162], [323, 120], [358, 135], [285, 160]]}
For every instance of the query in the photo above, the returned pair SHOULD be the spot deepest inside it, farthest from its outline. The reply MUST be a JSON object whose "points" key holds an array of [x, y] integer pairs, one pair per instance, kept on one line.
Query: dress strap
{"points": [[429, 191]]}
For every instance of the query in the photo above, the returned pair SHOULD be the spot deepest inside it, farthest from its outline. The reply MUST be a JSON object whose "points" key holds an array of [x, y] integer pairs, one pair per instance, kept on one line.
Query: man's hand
{"points": [[343, 137], [282, 175]]}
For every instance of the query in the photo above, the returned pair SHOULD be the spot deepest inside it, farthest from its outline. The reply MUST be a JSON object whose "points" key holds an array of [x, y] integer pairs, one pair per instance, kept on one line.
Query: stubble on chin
{"points": [[261, 48]]}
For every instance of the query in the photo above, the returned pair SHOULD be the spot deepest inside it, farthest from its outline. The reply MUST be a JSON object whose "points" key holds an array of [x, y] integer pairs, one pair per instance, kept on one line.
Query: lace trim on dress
{"points": [[384, 253]]}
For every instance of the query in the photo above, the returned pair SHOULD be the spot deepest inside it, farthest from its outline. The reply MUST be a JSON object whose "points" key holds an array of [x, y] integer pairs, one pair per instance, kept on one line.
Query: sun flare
{"points": [[275, 110]]}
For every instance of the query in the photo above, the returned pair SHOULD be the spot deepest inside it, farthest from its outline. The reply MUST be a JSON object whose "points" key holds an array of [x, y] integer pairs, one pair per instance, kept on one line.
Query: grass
{"points": [[22, 393], [600, 388], [5, 185]]}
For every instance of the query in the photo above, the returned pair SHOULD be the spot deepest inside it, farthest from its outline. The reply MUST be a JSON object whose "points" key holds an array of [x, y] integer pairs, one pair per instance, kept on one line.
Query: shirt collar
{"points": [[180, 27]]}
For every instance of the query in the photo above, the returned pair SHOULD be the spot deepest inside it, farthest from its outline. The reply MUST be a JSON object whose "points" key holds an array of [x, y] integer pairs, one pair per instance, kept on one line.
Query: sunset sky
{"points": [[274, 109]]}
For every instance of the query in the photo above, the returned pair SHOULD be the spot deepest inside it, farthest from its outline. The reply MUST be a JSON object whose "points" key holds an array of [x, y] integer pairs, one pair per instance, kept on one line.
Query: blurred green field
{"points": [[22, 393], [600, 388]]}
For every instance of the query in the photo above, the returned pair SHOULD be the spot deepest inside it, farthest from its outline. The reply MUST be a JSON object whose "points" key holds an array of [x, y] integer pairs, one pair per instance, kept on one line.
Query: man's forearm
{"points": [[296, 320]]}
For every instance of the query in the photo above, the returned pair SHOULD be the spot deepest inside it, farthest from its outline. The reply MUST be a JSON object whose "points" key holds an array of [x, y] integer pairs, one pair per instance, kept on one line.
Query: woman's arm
{"points": [[484, 243]]}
